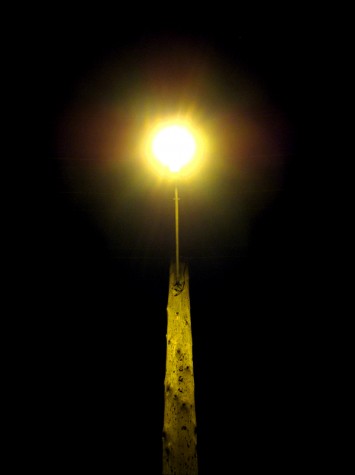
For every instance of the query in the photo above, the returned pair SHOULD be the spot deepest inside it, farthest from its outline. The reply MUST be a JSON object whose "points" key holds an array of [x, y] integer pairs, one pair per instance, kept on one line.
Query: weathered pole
{"points": [[179, 430]]}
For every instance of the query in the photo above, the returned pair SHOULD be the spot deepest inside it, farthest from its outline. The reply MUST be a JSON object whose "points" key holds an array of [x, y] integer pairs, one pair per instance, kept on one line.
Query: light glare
{"points": [[174, 147]]}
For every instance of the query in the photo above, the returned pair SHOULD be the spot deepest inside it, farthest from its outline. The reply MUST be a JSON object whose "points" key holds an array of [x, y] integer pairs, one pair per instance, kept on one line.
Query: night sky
{"points": [[95, 364]]}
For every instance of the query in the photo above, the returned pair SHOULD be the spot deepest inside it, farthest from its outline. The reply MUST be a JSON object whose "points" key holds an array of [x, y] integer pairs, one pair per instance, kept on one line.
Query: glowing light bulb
{"points": [[174, 146]]}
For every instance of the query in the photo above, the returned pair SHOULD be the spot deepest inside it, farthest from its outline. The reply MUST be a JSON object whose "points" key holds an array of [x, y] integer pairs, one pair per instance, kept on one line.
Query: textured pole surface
{"points": [[179, 431]]}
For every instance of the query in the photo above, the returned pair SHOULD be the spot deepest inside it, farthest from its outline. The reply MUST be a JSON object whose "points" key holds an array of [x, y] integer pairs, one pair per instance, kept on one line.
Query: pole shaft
{"points": [[179, 429], [177, 233]]}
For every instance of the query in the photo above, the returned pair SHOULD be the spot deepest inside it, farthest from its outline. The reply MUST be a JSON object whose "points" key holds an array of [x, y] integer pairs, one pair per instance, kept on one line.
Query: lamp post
{"points": [[174, 146]]}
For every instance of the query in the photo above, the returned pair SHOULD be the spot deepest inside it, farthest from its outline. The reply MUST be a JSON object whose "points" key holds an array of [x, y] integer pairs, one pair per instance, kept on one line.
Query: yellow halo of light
{"points": [[174, 146]]}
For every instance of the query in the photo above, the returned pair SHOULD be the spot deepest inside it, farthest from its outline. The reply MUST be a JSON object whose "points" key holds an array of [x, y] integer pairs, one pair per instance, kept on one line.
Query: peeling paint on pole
{"points": [[179, 431]]}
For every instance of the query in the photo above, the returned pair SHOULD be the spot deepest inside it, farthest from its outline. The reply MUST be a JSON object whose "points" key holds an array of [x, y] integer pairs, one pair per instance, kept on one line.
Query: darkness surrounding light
{"points": [[92, 358]]}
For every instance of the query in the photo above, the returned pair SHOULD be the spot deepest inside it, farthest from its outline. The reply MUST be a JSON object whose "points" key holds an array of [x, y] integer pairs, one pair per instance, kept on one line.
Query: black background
{"points": [[93, 358]]}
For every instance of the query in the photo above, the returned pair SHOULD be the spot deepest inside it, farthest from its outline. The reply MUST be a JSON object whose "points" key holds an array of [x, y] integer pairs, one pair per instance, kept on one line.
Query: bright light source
{"points": [[174, 146]]}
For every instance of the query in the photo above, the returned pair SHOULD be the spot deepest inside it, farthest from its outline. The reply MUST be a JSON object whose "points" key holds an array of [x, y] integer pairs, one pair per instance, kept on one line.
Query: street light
{"points": [[174, 146]]}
